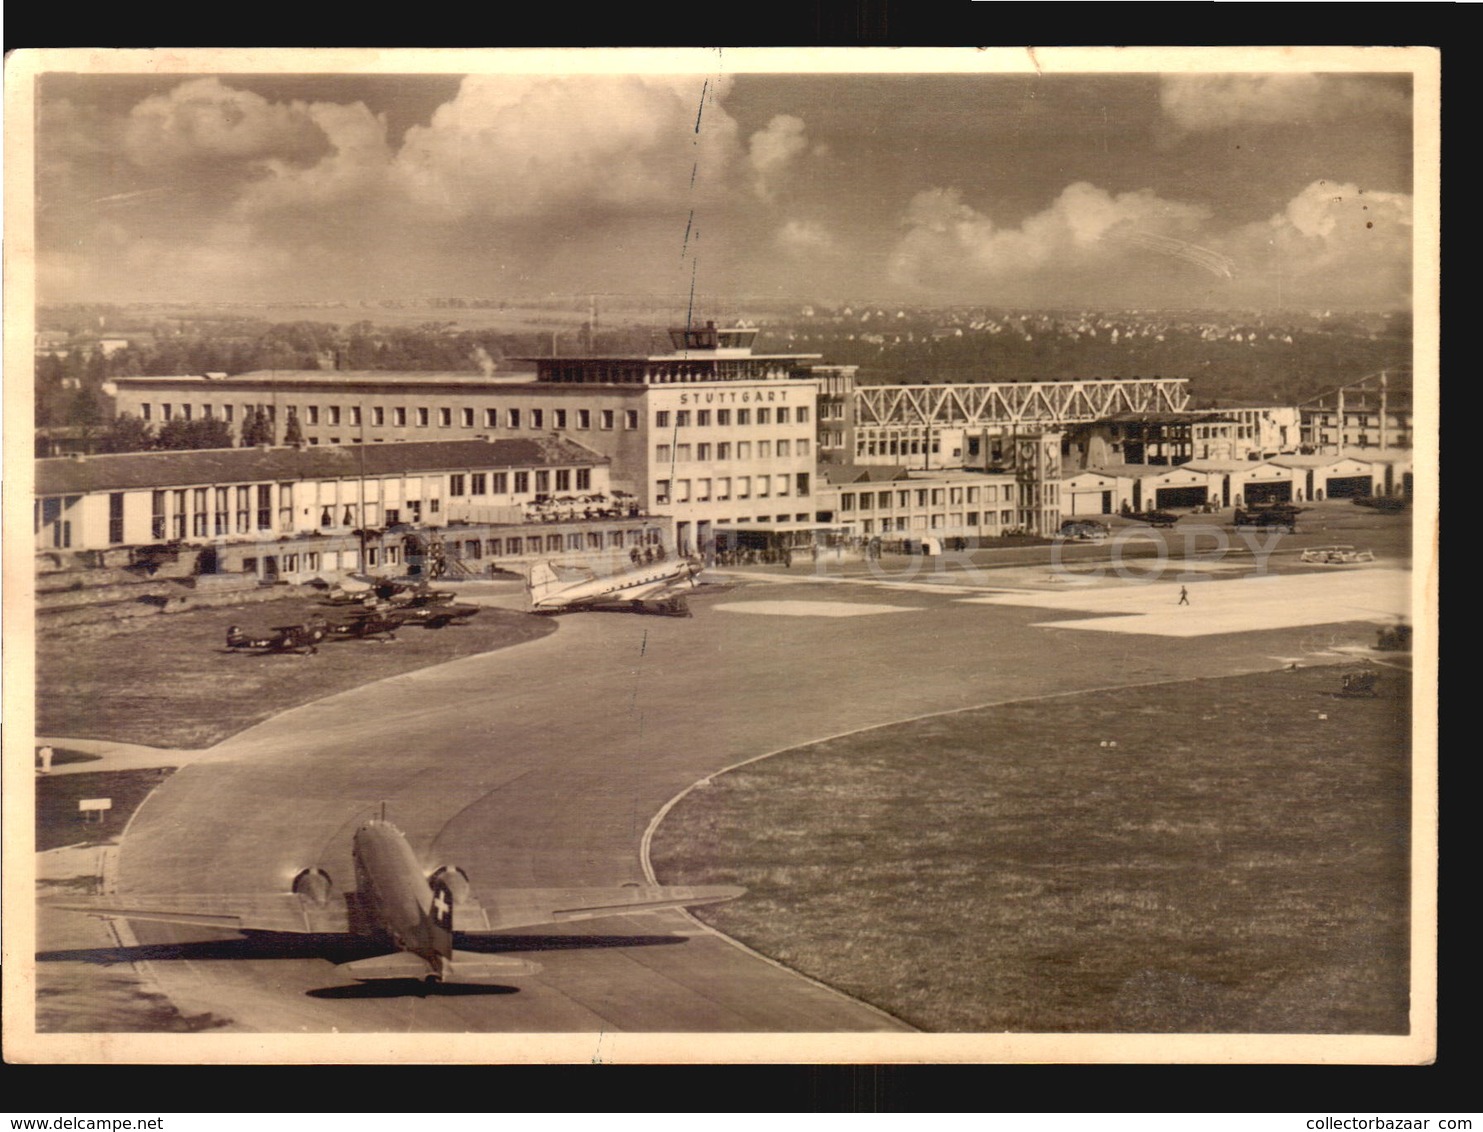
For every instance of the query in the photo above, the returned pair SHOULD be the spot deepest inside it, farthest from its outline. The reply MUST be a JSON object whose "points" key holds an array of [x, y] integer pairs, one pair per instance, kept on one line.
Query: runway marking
{"points": [[812, 608]]}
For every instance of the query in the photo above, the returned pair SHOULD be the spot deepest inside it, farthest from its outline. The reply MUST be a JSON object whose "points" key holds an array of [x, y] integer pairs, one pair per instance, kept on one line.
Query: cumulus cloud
{"points": [[357, 166], [1342, 243], [514, 146], [947, 238], [1353, 243], [772, 150], [1213, 102], [203, 119]]}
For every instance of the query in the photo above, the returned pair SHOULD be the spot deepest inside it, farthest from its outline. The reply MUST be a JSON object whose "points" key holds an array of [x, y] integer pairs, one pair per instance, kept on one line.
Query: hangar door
{"points": [[1276, 491], [1180, 496], [1348, 487], [1091, 502]]}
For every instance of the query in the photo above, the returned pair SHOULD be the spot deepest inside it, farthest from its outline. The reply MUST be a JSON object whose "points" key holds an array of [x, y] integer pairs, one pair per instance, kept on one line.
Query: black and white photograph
{"points": [[709, 556]]}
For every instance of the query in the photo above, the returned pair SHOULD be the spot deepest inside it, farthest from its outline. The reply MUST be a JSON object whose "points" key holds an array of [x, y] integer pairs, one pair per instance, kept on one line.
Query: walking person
{"points": [[1183, 595]]}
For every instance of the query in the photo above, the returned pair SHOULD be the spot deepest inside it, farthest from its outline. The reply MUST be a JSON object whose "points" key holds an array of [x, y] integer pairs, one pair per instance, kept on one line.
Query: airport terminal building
{"points": [[708, 433]]}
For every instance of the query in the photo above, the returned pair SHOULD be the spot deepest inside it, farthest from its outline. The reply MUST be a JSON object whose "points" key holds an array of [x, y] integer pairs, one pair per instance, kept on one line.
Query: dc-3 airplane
{"points": [[651, 588], [396, 900]]}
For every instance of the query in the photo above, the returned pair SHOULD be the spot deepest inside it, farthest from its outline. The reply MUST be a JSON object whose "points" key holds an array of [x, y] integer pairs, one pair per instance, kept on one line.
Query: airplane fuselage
{"points": [[392, 883], [632, 584]]}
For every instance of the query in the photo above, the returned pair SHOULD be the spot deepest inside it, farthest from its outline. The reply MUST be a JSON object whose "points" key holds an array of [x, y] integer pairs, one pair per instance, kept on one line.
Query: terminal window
{"points": [[630, 418], [661, 419], [560, 418], [491, 418], [465, 416], [399, 416], [445, 418], [537, 416], [607, 418], [723, 416], [422, 416], [584, 418]]}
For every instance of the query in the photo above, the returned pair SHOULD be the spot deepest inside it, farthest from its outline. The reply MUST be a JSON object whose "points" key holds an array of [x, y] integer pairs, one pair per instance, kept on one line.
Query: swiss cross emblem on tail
{"points": [[442, 906]]}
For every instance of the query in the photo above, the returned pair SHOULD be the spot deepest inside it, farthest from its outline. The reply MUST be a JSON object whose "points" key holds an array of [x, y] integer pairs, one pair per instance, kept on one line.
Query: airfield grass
{"points": [[58, 821], [169, 681], [1236, 863]]}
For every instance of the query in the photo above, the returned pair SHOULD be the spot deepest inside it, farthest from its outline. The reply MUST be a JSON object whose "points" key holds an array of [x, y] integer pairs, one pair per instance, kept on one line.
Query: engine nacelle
{"points": [[456, 879], [315, 886]]}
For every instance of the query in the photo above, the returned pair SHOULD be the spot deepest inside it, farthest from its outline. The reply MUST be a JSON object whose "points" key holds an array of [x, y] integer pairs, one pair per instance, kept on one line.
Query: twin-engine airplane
{"points": [[651, 588], [395, 900]]}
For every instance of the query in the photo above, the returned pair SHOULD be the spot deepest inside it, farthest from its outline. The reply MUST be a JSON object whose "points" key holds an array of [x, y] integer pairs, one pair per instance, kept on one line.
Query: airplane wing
{"points": [[278, 912], [531, 907]]}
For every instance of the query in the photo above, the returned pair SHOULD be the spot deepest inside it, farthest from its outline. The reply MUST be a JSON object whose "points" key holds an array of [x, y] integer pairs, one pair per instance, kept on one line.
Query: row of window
{"points": [[923, 497], [557, 543], [420, 416], [500, 483], [702, 418], [914, 444], [938, 522], [203, 512], [723, 450], [719, 488], [619, 373]]}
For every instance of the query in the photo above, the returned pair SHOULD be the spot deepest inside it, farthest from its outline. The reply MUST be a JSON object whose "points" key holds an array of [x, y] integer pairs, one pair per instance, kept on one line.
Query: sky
{"points": [[1211, 190]]}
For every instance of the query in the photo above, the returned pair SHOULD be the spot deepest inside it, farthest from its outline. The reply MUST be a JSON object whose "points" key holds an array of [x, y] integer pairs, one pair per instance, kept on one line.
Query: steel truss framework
{"points": [[1016, 403]]}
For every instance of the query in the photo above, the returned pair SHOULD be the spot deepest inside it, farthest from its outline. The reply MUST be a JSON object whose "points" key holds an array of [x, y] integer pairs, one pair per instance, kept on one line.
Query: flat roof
{"points": [[63, 475], [331, 377]]}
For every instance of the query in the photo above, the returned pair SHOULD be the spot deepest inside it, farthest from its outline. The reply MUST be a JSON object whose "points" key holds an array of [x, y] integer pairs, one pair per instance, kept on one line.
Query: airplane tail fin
{"points": [[542, 582], [441, 919]]}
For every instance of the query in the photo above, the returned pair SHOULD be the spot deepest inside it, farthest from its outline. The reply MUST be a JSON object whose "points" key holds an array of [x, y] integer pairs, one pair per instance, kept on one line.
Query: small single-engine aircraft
{"points": [[651, 588], [370, 623], [300, 639], [435, 615], [394, 899]]}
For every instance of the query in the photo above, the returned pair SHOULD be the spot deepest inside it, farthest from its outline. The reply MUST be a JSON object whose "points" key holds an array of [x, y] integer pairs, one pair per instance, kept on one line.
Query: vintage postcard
{"points": [[630, 556]]}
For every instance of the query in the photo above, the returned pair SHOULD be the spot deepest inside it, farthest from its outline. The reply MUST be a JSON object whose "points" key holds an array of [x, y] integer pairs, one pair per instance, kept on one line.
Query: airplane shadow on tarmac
{"points": [[337, 949], [333, 948]]}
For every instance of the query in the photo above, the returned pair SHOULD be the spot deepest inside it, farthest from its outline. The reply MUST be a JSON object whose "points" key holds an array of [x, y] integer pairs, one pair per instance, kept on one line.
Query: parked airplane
{"points": [[651, 588], [302, 640], [395, 900]]}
